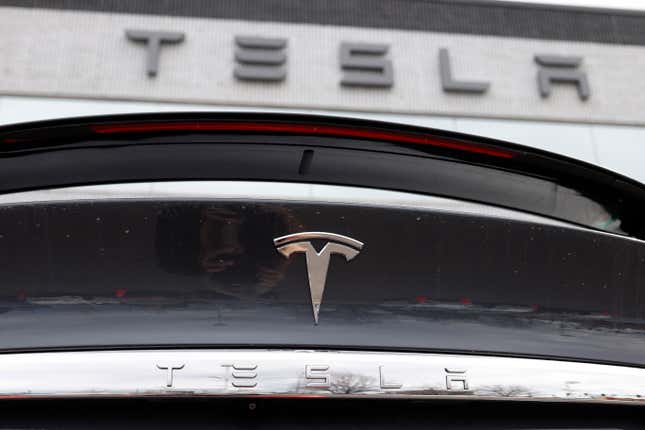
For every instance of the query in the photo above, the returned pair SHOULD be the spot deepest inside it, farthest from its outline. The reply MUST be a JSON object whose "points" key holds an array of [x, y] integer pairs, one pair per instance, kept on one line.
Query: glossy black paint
{"points": [[71, 152], [321, 414], [150, 273]]}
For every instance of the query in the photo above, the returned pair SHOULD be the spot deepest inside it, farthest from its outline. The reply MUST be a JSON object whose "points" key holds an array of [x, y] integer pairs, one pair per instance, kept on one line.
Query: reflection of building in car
{"points": [[221, 243]]}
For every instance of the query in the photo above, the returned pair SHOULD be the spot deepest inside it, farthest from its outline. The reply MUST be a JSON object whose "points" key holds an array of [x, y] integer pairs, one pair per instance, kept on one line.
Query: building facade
{"points": [[567, 80]]}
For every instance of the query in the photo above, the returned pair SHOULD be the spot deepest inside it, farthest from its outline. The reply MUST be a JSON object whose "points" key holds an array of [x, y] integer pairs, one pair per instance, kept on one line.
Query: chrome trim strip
{"points": [[312, 373], [271, 191]]}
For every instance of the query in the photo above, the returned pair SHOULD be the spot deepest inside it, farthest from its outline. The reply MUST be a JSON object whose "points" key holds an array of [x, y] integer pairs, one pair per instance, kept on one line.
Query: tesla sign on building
{"points": [[363, 64]]}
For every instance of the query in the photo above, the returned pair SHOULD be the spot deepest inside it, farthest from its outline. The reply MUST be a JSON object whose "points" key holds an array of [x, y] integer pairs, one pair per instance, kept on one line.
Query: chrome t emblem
{"points": [[317, 262]]}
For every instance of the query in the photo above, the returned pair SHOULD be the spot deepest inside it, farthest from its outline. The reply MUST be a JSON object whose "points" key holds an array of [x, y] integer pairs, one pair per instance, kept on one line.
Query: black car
{"points": [[258, 270]]}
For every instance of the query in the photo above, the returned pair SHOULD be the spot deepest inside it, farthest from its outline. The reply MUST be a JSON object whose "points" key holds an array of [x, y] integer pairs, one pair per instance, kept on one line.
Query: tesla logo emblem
{"points": [[317, 262]]}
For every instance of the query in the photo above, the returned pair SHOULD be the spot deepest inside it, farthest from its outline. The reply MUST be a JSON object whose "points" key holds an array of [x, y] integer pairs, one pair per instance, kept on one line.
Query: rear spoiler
{"points": [[317, 149]]}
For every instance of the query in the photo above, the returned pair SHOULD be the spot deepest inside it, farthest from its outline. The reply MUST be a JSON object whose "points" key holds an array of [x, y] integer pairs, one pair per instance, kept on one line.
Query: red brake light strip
{"points": [[306, 129]]}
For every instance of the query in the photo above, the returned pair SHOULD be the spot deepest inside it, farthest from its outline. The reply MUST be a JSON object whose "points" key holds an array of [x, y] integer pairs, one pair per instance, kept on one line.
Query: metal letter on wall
{"points": [[363, 65], [449, 84], [260, 59], [559, 69], [153, 41]]}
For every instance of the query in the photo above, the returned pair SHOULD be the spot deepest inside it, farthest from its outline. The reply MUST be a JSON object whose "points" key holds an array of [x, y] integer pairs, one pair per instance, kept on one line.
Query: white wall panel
{"points": [[78, 54], [621, 149], [573, 140]]}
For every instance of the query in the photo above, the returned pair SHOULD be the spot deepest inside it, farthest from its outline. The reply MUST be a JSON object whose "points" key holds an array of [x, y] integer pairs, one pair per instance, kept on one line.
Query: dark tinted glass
{"points": [[143, 272]]}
